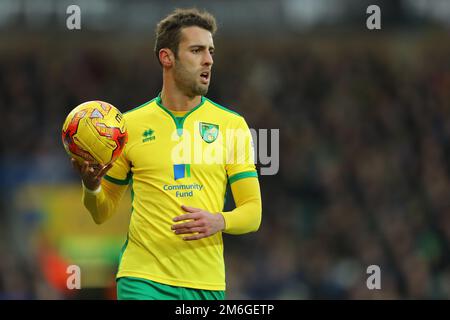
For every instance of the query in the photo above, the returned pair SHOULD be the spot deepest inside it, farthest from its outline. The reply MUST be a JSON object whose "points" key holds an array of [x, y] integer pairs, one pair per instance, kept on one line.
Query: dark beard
{"points": [[186, 84]]}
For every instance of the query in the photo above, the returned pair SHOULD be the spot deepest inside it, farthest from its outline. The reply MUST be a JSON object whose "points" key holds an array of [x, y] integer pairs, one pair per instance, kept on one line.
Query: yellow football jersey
{"points": [[172, 161]]}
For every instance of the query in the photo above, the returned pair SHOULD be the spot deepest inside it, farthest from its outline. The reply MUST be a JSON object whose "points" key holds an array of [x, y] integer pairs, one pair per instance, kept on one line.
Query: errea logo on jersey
{"points": [[148, 135]]}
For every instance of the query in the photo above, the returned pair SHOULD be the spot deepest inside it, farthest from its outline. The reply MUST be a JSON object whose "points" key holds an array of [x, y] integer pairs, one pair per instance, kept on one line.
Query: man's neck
{"points": [[177, 101]]}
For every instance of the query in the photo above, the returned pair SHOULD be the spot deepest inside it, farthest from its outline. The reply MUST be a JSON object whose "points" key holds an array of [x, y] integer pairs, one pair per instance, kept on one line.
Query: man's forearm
{"points": [[246, 217], [102, 202]]}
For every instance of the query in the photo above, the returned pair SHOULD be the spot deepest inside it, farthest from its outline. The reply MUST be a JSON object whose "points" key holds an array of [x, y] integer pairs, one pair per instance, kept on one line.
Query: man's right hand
{"points": [[91, 173]]}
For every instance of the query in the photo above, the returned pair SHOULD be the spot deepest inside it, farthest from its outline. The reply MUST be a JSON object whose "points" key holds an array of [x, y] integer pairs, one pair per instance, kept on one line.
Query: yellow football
{"points": [[95, 131]]}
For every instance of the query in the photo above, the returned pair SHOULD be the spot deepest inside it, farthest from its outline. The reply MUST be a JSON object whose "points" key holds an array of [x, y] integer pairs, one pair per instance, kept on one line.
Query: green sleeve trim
{"points": [[223, 108], [118, 181], [242, 175]]}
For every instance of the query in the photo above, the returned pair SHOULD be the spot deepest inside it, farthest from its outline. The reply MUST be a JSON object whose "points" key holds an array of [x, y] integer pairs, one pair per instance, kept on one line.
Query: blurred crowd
{"points": [[364, 143]]}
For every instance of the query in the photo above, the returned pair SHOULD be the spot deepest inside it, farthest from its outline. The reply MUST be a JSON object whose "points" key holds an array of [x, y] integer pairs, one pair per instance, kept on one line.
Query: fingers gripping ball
{"points": [[95, 131]]}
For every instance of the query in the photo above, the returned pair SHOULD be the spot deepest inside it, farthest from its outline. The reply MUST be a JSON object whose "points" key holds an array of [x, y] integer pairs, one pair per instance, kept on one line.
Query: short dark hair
{"points": [[168, 30]]}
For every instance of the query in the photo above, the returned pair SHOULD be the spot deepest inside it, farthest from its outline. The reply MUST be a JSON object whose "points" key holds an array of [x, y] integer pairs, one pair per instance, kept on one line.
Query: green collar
{"points": [[178, 120]]}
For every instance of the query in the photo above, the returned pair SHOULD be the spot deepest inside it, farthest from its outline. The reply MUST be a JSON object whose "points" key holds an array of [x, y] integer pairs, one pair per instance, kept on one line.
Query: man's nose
{"points": [[208, 59]]}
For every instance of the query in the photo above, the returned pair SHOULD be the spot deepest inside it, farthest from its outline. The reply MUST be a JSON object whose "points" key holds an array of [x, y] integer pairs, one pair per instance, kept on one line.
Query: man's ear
{"points": [[166, 57]]}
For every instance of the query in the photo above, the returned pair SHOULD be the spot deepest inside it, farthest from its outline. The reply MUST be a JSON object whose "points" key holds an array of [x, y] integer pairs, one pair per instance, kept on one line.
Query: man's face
{"points": [[192, 68]]}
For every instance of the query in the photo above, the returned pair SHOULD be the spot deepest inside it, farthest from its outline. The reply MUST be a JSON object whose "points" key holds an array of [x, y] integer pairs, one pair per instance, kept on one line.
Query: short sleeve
{"points": [[120, 173]]}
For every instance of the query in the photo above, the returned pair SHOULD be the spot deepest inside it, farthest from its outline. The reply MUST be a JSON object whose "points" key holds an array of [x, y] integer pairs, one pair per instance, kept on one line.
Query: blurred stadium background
{"points": [[364, 142]]}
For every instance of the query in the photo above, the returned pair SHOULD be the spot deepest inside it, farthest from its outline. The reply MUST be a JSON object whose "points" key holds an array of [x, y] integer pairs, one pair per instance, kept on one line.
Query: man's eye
{"points": [[196, 50]]}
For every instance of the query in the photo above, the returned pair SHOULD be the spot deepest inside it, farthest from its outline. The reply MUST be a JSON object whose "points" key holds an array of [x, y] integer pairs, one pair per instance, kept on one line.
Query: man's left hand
{"points": [[203, 223]]}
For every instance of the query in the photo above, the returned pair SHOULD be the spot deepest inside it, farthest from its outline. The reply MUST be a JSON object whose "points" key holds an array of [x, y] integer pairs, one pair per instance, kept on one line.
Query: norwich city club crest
{"points": [[209, 131]]}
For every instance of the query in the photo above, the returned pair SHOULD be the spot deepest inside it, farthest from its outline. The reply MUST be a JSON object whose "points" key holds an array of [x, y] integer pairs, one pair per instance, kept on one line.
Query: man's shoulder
{"points": [[223, 111], [137, 111]]}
